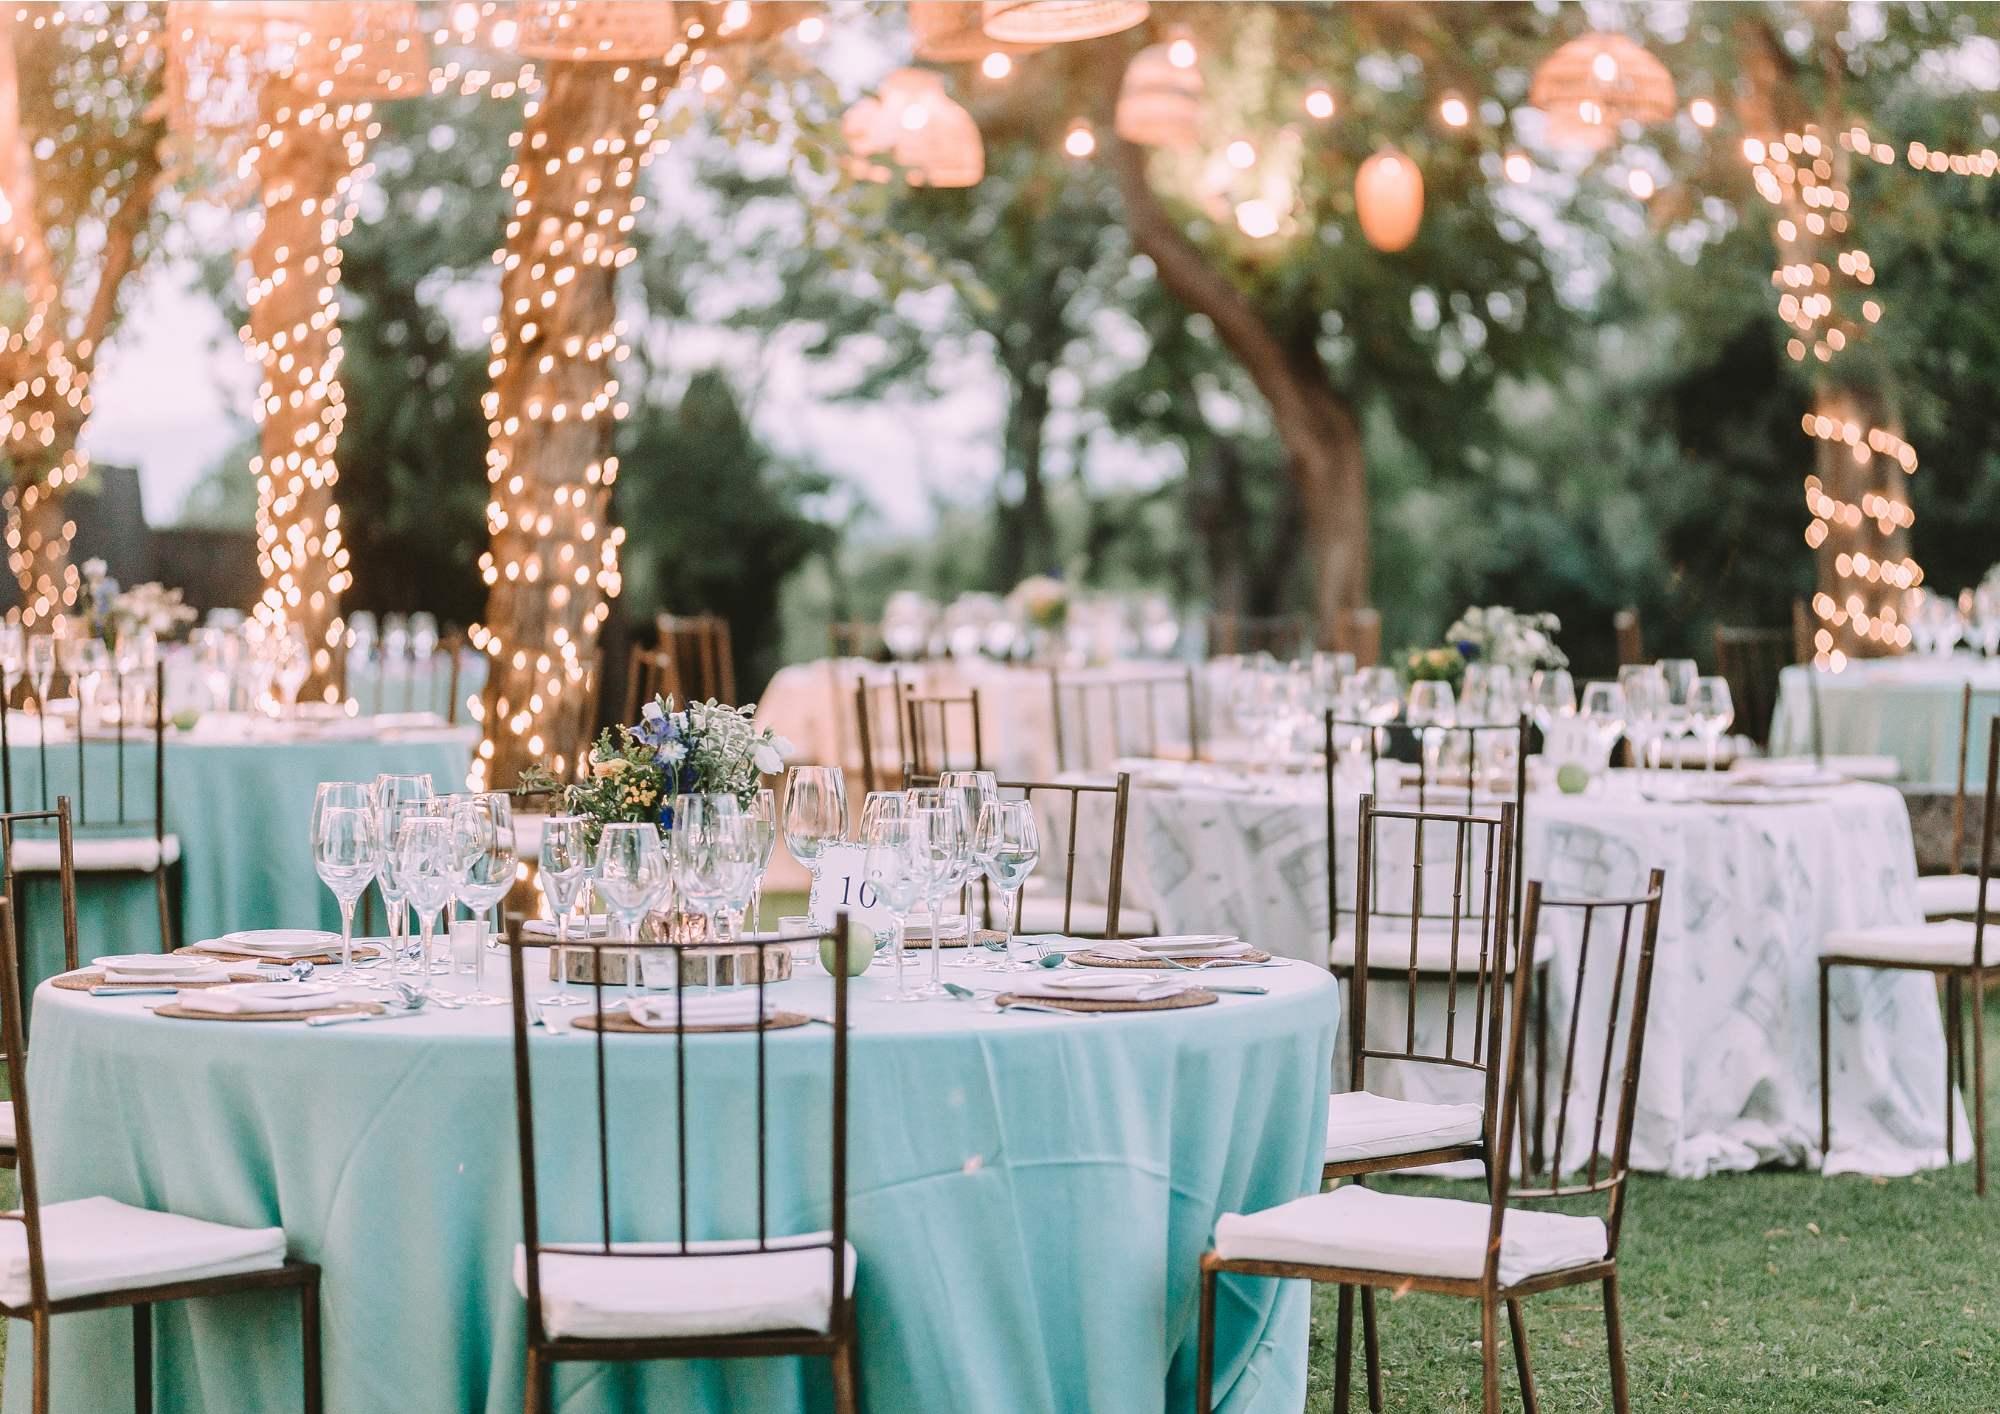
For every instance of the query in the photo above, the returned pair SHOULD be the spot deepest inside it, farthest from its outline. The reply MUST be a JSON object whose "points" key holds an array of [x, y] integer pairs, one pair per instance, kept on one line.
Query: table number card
{"points": [[843, 884]]}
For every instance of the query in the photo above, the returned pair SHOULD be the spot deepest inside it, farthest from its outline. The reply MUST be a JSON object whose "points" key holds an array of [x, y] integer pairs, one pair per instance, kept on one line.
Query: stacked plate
{"points": [[277, 944]]}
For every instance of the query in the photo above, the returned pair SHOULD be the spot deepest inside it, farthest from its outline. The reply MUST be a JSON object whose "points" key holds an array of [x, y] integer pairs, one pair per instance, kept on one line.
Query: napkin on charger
{"points": [[600, 926], [240, 998], [212, 972], [1103, 986], [1184, 945], [153, 967], [731, 1008], [278, 944]]}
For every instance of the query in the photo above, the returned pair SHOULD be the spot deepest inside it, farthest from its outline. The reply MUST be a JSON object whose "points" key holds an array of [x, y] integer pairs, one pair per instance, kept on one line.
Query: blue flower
{"points": [[1468, 650]]}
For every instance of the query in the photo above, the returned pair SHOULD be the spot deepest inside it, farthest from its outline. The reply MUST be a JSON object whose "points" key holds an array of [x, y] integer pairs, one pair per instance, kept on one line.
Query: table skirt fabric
{"points": [[1029, 1197], [1907, 708]]}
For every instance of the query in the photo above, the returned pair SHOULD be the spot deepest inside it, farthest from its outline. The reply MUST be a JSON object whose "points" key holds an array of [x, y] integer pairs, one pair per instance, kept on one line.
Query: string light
{"points": [[1319, 104]]}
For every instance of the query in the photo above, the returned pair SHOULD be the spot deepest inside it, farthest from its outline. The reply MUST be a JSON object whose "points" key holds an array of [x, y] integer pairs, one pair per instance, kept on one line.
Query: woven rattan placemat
{"points": [[619, 1021], [1087, 958], [84, 981], [174, 1009], [362, 952], [1194, 996]]}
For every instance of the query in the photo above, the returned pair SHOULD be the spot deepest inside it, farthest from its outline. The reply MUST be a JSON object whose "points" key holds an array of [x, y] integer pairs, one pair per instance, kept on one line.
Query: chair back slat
{"points": [[1120, 793], [928, 749], [14, 1037], [1082, 701], [701, 644], [868, 713], [1989, 822], [653, 673], [1751, 659]]}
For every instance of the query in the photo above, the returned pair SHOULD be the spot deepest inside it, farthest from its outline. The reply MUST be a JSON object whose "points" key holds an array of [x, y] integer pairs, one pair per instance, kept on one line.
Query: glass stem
{"points": [[347, 937], [562, 953], [1013, 917], [902, 930], [937, 942], [426, 924]]}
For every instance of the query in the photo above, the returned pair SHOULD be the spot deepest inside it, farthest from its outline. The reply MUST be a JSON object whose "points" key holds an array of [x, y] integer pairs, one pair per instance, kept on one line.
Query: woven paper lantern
{"points": [[743, 22], [598, 29], [952, 32], [219, 54], [1059, 21], [1591, 85], [364, 51], [1389, 199], [933, 139], [1159, 104]]}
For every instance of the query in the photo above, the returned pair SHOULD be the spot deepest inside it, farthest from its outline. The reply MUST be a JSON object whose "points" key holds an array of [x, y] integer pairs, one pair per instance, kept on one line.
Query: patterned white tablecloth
{"points": [[1910, 708], [1732, 1061]]}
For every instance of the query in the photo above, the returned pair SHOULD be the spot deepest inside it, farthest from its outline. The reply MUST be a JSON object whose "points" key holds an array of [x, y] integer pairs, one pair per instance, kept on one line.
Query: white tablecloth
{"points": [[1732, 1060], [1909, 708]]}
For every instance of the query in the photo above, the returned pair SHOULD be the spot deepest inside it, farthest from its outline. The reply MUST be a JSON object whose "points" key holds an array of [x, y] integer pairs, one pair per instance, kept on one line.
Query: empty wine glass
{"points": [[972, 789], [482, 835], [1603, 708], [713, 858], [89, 661], [1432, 712], [564, 869], [1645, 712], [898, 866], [428, 870], [815, 817], [1711, 712], [1680, 675], [1009, 845], [13, 660], [762, 817], [882, 805], [346, 851], [1551, 697], [215, 653], [294, 664], [42, 667], [632, 874], [393, 791], [942, 849]]}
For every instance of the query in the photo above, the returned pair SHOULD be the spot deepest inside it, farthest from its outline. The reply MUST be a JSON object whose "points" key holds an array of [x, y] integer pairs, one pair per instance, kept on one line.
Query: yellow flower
{"points": [[609, 768]]}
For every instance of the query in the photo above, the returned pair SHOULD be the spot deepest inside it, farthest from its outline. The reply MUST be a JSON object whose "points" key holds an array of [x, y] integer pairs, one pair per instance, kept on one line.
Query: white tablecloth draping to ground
{"points": [[1732, 1061], [1909, 708]]}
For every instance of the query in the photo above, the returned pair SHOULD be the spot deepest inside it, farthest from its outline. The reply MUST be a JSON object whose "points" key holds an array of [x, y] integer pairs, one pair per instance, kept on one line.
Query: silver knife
{"points": [[1245, 990], [361, 1016], [133, 991]]}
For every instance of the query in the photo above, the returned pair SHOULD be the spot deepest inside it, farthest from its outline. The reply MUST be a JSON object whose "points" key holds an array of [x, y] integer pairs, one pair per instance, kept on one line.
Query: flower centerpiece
{"points": [[108, 611], [1521, 643], [635, 773], [1041, 601]]}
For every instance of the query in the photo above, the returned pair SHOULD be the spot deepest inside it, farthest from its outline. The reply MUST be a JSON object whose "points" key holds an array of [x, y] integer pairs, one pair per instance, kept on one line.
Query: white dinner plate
{"points": [[278, 942], [161, 964]]}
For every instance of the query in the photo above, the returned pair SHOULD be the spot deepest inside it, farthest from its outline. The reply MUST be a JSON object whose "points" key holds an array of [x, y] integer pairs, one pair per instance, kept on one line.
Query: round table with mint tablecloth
{"points": [[242, 811], [1910, 708], [1029, 1196]]}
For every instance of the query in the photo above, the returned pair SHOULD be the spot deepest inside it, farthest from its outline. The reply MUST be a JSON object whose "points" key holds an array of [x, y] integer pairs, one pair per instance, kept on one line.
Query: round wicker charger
{"points": [[1194, 996], [362, 952], [981, 937], [84, 981], [1087, 958], [174, 1009], [619, 1021]]}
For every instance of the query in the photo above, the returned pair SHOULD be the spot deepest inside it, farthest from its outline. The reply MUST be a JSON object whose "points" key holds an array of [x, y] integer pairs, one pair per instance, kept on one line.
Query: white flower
{"points": [[783, 746], [674, 752], [653, 711], [767, 758]]}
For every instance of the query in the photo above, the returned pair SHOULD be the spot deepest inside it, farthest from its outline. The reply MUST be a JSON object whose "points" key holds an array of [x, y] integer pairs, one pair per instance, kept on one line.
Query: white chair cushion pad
{"points": [[1945, 895], [1361, 1229], [1364, 1126], [8, 1139], [99, 1244], [625, 1298], [1045, 915], [1389, 946], [45, 856], [1948, 943]]}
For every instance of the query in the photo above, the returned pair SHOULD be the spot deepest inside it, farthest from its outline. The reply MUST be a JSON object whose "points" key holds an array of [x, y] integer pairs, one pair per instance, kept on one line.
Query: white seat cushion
{"points": [[8, 1139], [1947, 943], [1389, 945], [99, 1244], [45, 856], [625, 1298], [1045, 915], [1361, 1229], [1364, 1126], [1953, 895]]}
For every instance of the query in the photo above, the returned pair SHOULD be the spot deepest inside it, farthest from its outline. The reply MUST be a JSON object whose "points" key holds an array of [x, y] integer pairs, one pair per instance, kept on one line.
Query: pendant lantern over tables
{"points": [[553, 564], [1059, 21], [933, 139], [953, 32], [313, 73], [1590, 86], [1389, 200], [1159, 103]]}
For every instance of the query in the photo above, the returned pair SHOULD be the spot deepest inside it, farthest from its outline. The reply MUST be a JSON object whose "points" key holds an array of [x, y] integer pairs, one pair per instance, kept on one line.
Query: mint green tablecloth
{"points": [[1029, 1196], [1907, 708], [242, 813]]}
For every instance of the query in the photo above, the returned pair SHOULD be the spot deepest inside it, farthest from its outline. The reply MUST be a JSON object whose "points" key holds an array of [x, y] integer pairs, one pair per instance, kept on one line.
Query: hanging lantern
{"points": [[598, 29], [1591, 85], [219, 54], [1059, 21], [741, 22], [1389, 199], [951, 32], [932, 139], [363, 51], [1159, 104]]}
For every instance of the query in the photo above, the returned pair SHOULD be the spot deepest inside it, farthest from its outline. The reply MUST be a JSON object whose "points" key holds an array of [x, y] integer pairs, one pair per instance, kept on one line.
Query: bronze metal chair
{"points": [[1950, 952], [928, 751], [651, 673], [569, 1265], [868, 712], [1954, 894], [1074, 919], [66, 875], [1631, 637], [700, 643], [1283, 636], [1395, 1241], [1750, 659], [46, 1228], [1100, 697]]}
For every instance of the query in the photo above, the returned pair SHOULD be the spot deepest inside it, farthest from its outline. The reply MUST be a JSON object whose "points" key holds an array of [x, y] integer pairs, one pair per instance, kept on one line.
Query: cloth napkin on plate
{"points": [[546, 928], [242, 997], [731, 1008], [1102, 986], [1187, 945], [281, 944], [211, 972]]}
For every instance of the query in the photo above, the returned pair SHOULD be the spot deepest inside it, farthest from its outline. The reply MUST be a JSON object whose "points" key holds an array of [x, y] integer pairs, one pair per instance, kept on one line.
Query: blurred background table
{"points": [[1910, 708]]}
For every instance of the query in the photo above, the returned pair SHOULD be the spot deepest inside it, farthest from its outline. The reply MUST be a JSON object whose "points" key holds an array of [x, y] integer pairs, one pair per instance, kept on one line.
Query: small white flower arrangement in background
{"points": [[1519, 642]]}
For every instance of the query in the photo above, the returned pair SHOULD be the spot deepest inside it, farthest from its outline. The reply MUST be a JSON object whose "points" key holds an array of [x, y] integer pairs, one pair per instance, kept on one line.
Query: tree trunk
{"points": [[1218, 511], [308, 149], [1024, 542], [1313, 418], [554, 561]]}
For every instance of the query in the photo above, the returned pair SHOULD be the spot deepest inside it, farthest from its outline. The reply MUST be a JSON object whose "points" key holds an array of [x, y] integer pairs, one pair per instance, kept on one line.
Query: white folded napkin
{"points": [[155, 966], [731, 1008], [241, 997], [281, 943], [1102, 986], [213, 972], [1180, 945], [546, 928], [952, 927]]}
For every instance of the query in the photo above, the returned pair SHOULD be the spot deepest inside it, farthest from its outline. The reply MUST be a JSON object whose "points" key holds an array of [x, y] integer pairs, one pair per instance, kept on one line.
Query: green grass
{"points": [[1771, 1291]]}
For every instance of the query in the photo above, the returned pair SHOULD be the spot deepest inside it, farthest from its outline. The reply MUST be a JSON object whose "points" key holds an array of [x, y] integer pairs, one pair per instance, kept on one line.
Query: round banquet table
{"points": [[1910, 708], [1029, 1195], [1732, 1053], [242, 810]]}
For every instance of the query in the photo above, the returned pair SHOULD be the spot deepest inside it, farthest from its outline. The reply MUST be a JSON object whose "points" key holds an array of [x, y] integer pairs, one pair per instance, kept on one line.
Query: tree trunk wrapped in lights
{"points": [[554, 559]]}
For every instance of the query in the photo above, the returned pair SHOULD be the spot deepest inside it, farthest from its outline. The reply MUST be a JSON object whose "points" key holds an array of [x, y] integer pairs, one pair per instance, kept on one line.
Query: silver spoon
{"points": [[407, 1002]]}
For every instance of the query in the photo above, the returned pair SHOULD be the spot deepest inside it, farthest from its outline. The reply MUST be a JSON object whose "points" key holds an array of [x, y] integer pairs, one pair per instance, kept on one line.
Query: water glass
{"points": [[346, 852], [898, 865], [1009, 845], [762, 817], [632, 874], [564, 870], [1711, 712], [815, 812], [482, 834], [427, 867]]}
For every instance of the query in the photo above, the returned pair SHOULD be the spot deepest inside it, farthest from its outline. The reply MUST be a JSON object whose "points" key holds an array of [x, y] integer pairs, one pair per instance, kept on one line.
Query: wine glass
{"points": [[482, 834], [294, 664], [942, 850], [1551, 697], [395, 790], [564, 870], [1009, 845], [815, 817], [42, 668], [216, 652], [972, 790], [389, 817], [346, 851], [881, 805], [632, 872], [428, 869], [1645, 711], [1711, 712], [1433, 712], [13, 660], [1603, 708], [762, 817], [89, 661], [1680, 675], [713, 856], [898, 865]]}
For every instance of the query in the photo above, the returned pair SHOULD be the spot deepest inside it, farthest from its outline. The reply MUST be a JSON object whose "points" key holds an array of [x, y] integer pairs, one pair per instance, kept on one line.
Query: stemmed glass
{"points": [[1379, 701], [762, 818], [1711, 711], [815, 817], [13, 659], [294, 664], [428, 869], [391, 794], [482, 833], [714, 858], [1551, 697], [42, 668], [1431, 706], [972, 789], [565, 869], [898, 865], [632, 873], [1009, 845], [346, 851], [89, 661], [882, 805], [1645, 712], [1680, 675], [216, 651], [1604, 710], [943, 851], [389, 818]]}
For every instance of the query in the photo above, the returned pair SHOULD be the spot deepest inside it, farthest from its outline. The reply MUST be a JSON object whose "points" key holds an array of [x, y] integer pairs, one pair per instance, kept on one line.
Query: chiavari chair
{"points": [[1953, 951], [928, 752], [1064, 806], [701, 644], [868, 715], [1751, 659], [97, 1254], [651, 673], [1490, 1252], [118, 837], [853, 639], [1282, 635], [1630, 636], [66, 875], [1086, 701], [605, 1300], [1956, 894]]}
